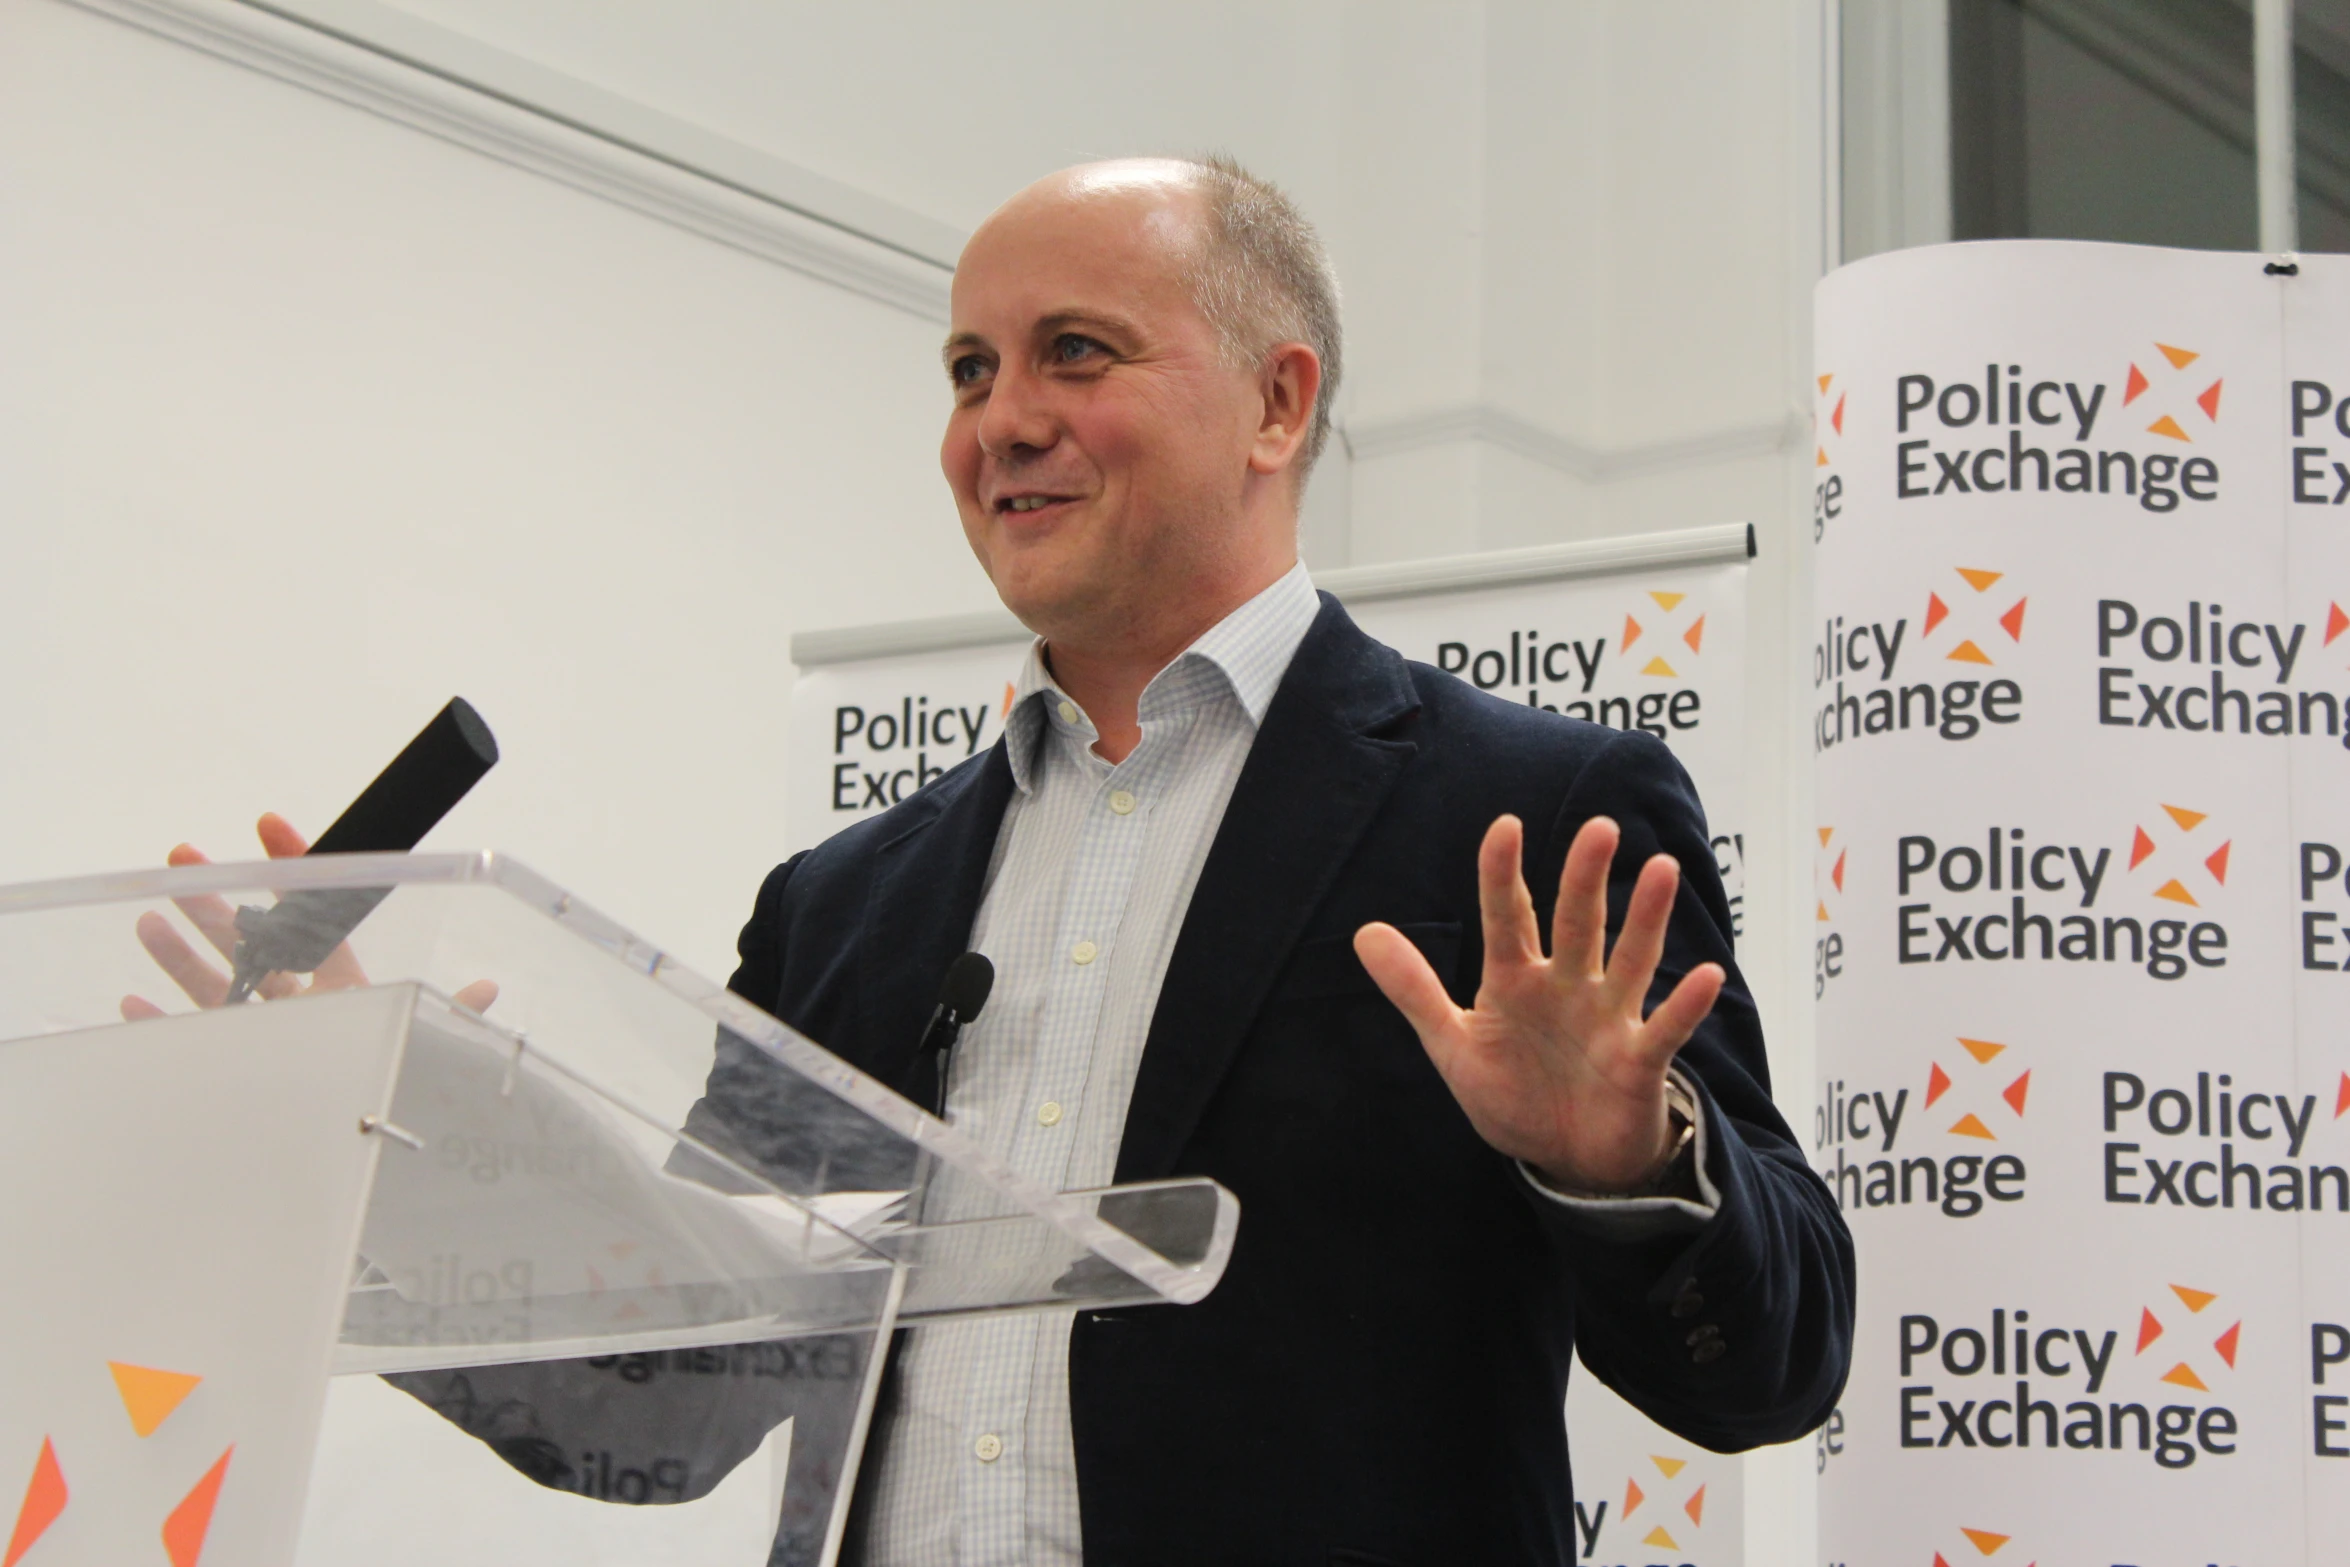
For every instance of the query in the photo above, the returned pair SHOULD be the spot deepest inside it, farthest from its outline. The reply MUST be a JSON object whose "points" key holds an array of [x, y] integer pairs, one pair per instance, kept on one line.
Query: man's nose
{"points": [[1018, 419]]}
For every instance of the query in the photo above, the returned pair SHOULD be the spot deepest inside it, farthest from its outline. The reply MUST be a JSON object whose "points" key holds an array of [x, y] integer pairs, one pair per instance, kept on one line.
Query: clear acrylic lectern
{"points": [[584, 1276]]}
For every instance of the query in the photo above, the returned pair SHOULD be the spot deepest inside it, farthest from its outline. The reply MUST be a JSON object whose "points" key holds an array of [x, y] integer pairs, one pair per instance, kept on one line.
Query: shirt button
{"points": [[1049, 1113], [1121, 802], [1068, 712], [1083, 953], [1706, 1353], [988, 1448]]}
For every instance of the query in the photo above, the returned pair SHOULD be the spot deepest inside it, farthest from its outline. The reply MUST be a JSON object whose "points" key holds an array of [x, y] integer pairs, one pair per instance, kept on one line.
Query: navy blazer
{"points": [[1379, 1379]]}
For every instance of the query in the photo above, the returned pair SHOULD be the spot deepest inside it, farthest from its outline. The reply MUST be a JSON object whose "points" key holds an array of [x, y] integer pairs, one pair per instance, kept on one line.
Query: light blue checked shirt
{"points": [[1092, 873]]}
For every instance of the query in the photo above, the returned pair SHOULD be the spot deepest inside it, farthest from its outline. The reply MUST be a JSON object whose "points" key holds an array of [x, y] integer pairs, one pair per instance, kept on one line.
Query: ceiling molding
{"points": [[1369, 441], [590, 141], [1719, 543]]}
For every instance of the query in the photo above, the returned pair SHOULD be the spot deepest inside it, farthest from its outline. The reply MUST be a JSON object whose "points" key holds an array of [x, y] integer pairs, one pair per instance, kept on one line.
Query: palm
{"points": [[1555, 1063]]}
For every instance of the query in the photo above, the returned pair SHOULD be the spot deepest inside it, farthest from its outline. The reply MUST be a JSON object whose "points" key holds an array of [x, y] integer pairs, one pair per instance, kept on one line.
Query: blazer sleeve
{"points": [[1769, 1278]]}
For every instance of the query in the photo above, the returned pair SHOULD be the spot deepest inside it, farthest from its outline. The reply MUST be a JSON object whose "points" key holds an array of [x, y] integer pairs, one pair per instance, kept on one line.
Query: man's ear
{"points": [[1289, 382]]}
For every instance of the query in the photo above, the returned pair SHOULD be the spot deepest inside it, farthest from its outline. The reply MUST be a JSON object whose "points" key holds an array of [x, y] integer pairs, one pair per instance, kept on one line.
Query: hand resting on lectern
{"points": [[213, 917]]}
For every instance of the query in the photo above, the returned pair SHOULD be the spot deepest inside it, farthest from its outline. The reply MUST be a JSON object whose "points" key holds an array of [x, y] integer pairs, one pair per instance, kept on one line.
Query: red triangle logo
{"points": [[2342, 1097], [2336, 623], [1837, 875], [2217, 862], [1631, 633], [1936, 611], [1937, 1084], [2209, 402], [2136, 385], [2149, 1328], [2014, 1093], [44, 1499], [2013, 621], [1836, 419], [2226, 1345], [184, 1530], [2140, 847]]}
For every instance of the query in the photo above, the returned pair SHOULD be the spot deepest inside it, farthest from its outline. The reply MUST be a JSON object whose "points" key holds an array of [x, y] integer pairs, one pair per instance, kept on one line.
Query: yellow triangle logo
{"points": [[1980, 581], [1981, 1049], [2179, 358], [2183, 1375], [1825, 379], [2170, 891], [1821, 459], [2166, 425], [1971, 1125], [149, 1396], [2188, 820], [1967, 653], [1657, 666], [2195, 1300], [1668, 602], [1985, 1540], [1823, 912], [1668, 1467], [1825, 834], [1657, 1536]]}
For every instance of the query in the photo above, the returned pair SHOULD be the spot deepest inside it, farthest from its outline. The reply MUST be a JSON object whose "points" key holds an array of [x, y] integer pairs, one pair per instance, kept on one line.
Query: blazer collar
{"points": [[1314, 781]]}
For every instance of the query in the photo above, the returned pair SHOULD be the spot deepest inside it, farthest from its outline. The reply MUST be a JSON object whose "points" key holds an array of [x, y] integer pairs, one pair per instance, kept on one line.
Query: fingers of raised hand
{"points": [[279, 839], [1640, 945], [1508, 908], [1578, 942], [1402, 974], [1676, 1017], [478, 996]]}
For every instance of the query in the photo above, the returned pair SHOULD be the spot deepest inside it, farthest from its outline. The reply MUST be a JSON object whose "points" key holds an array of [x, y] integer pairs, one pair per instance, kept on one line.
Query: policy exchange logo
{"points": [[1974, 1091], [2184, 853], [149, 1397], [2153, 1330], [1673, 1495], [1963, 633], [2170, 396], [1667, 624], [1831, 418], [1827, 882]]}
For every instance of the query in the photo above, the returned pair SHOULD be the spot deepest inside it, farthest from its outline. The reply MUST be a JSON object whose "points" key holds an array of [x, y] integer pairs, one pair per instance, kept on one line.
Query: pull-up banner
{"points": [[2081, 728], [1644, 633]]}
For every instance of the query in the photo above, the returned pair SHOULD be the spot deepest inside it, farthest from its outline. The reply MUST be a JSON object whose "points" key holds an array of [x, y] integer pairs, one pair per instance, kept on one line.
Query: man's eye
{"points": [[967, 370], [1069, 348]]}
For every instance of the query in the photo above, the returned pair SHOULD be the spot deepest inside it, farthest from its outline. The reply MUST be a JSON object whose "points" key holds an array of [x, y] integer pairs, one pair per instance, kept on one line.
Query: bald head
{"points": [[1253, 265], [1131, 425]]}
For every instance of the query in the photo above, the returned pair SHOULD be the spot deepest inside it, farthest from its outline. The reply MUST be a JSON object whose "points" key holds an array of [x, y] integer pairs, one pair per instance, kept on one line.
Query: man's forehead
{"points": [[1108, 240]]}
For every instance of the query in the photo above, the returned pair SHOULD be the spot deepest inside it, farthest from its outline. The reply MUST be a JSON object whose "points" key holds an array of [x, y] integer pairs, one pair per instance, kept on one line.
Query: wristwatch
{"points": [[1678, 1175]]}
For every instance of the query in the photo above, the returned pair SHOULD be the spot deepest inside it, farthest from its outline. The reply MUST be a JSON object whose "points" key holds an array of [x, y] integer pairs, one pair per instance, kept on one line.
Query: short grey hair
{"points": [[1261, 277]]}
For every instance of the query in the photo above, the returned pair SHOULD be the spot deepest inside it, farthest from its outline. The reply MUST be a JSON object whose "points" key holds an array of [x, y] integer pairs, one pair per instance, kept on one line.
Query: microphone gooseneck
{"points": [[431, 774]]}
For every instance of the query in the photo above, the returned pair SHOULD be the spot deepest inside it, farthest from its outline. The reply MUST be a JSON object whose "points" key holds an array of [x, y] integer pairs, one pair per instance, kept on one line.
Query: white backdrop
{"points": [[2078, 680]]}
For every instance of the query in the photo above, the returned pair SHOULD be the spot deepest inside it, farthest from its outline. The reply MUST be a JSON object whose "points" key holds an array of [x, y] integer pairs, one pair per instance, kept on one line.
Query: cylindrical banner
{"points": [[2081, 728], [1661, 649]]}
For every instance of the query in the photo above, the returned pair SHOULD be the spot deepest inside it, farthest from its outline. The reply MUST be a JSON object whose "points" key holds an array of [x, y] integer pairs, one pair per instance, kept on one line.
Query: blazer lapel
{"points": [[1315, 778], [927, 883]]}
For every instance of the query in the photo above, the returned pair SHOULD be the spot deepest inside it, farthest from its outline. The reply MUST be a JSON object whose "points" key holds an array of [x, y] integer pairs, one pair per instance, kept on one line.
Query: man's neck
{"points": [[1107, 677]]}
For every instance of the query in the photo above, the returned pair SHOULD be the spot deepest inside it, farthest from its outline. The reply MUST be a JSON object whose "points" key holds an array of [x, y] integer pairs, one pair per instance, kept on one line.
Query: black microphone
{"points": [[969, 979], [434, 771]]}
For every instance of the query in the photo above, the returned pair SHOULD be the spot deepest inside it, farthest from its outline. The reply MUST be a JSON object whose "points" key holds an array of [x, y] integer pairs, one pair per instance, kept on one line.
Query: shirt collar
{"points": [[1247, 653]]}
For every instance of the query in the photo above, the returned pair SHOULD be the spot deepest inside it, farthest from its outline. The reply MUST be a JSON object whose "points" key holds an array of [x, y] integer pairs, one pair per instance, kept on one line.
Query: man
{"points": [[1219, 816], [1263, 904]]}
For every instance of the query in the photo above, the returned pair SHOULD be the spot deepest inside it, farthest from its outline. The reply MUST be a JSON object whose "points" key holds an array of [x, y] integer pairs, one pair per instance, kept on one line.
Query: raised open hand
{"points": [[216, 921], [1556, 1063]]}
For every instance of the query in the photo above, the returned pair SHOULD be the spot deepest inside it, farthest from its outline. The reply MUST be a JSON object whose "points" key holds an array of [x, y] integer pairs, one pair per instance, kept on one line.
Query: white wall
{"points": [[311, 421], [308, 420]]}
